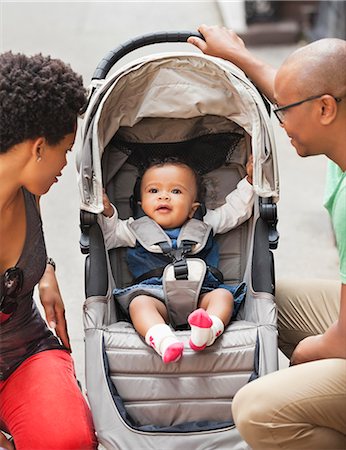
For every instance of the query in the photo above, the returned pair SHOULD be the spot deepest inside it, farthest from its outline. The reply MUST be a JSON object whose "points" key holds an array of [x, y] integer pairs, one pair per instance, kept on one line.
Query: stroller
{"points": [[205, 110]]}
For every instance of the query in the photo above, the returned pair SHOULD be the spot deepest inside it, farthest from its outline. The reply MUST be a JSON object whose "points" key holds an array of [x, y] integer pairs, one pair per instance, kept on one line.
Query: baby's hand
{"points": [[107, 207], [249, 169]]}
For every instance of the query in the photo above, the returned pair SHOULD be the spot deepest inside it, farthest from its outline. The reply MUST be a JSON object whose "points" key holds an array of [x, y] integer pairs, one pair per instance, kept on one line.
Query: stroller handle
{"points": [[113, 56]]}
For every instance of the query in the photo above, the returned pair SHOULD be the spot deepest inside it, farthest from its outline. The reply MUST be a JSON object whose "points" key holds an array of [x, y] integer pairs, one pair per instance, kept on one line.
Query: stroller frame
{"points": [[249, 341]]}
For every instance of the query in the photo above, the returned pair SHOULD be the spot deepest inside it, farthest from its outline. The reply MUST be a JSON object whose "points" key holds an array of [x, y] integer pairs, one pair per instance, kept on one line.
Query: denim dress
{"points": [[141, 261]]}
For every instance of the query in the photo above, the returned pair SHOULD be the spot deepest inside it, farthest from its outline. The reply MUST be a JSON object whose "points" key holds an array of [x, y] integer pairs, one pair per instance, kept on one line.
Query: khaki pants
{"points": [[302, 407], [305, 308]]}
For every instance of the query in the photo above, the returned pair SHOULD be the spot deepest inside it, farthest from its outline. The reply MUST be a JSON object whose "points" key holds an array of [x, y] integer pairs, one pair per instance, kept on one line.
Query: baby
{"points": [[170, 193]]}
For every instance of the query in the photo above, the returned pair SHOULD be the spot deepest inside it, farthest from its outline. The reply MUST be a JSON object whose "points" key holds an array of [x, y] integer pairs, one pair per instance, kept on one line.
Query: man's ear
{"points": [[328, 109], [194, 207]]}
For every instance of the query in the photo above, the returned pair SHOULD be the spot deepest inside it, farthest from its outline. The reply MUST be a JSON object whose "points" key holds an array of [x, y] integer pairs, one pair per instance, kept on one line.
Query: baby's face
{"points": [[168, 194]]}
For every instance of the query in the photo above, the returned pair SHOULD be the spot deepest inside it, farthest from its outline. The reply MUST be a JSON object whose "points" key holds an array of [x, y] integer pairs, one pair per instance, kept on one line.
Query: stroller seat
{"points": [[154, 393]]}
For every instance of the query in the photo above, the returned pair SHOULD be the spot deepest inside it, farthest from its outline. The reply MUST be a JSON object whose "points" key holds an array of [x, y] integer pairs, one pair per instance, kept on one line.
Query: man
{"points": [[302, 407]]}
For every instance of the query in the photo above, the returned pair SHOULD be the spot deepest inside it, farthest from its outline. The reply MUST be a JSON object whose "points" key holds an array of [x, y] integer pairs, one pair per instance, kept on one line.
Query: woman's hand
{"points": [[5, 443], [53, 305]]}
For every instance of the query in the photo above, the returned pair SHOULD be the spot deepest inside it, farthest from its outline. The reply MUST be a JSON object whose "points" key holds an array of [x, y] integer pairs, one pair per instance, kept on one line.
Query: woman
{"points": [[41, 405]]}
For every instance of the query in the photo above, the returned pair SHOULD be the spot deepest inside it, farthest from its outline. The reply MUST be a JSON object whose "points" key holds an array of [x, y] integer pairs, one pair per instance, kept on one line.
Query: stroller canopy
{"points": [[172, 98]]}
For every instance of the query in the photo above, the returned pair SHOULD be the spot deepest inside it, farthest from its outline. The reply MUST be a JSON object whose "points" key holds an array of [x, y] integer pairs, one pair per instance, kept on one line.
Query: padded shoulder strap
{"points": [[149, 234], [194, 231]]}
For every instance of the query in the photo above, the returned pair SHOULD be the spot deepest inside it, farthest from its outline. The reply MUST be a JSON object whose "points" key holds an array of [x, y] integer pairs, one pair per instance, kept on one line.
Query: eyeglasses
{"points": [[280, 111], [10, 286]]}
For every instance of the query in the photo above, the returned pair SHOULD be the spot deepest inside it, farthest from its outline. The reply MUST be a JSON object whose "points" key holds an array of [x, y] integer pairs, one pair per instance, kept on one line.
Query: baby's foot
{"points": [[162, 339], [173, 353], [200, 324]]}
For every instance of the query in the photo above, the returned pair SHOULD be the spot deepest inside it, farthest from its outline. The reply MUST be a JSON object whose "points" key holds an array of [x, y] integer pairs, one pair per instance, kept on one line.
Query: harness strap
{"points": [[154, 239], [159, 271], [165, 247], [181, 270]]}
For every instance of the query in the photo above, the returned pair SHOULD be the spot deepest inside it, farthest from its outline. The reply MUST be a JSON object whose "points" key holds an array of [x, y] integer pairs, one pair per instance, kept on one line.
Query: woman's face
{"points": [[48, 164]]}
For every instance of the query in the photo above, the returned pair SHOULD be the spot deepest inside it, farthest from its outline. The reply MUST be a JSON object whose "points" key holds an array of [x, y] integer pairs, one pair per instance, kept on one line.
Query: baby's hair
{"points": [[39, 97], [173, 160]]}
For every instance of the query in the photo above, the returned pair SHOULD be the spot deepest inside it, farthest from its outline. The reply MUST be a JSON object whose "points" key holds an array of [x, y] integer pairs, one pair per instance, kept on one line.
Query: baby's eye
{"points": [[153, 191], [176, 191]]}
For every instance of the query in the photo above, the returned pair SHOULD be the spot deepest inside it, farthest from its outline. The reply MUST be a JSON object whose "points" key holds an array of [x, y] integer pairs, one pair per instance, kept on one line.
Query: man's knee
{"points": [[247, 409]]}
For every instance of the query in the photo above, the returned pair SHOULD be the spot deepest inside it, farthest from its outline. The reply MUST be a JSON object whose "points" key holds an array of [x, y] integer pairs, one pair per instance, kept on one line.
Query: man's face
{"points": [[300, 122], [168, 194]]}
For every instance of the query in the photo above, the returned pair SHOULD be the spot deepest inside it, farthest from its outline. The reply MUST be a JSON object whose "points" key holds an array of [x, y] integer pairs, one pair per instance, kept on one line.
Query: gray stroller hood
{"points": [[161, 101], [180, 86]]}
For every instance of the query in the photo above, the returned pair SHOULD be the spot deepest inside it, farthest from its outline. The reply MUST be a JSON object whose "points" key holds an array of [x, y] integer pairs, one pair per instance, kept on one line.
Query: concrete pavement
{"points": [[81, 33]]}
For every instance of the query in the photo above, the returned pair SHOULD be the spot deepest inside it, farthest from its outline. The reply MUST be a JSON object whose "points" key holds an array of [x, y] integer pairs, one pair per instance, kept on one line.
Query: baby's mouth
{"points": [[163, 208]]}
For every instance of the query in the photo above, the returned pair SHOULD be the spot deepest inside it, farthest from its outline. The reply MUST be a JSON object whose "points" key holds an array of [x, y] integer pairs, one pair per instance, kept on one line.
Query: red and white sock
{"points": [[204, 329], [216, 329], [162, 339]]}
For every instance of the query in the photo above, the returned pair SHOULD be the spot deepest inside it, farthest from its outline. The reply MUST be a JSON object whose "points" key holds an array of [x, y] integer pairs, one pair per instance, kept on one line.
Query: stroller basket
{"points": [[207, 113]]}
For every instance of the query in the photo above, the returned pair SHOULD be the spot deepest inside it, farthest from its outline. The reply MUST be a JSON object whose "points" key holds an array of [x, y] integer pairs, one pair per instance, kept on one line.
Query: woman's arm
{"points": [[226, 44], [53, 305], [52, 302]]}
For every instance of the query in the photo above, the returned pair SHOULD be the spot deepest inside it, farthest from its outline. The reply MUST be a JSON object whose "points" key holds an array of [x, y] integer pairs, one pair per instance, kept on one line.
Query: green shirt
{"points": [[335, 202]]}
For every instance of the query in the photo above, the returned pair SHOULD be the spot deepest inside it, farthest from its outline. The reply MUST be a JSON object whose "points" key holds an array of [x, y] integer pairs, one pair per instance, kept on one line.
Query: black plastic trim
{"points": [[262, 261], [96, 274], [105, 65]]}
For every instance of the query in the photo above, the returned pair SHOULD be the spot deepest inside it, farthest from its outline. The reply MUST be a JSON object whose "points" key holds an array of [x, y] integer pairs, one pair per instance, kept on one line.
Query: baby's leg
{"points": [[209, 321], [149, 317]]}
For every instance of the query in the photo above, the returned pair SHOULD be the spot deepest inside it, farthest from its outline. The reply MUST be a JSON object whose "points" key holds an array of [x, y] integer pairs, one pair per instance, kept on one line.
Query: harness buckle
{"points": [[181, 270]]}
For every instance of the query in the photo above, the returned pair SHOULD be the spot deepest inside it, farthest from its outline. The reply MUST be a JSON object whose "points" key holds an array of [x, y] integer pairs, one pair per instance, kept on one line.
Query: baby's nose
{"points": [[164, 195]]}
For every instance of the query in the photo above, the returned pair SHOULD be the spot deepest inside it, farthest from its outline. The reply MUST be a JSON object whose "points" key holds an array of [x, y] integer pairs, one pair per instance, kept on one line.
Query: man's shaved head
{"points": [[318, 68]]}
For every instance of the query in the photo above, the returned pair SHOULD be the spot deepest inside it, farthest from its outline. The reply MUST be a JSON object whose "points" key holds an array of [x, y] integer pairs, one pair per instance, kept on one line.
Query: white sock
{"points": [[200, 324], [216, 329], [162, 339]]}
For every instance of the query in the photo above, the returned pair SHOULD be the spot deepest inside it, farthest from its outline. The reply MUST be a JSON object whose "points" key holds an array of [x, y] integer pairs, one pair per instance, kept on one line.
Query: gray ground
{"points": [[81, 33]]}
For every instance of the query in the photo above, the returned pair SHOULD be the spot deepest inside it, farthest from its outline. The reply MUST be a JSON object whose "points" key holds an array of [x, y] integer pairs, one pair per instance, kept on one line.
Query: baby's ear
{"points": [[194, 207]]}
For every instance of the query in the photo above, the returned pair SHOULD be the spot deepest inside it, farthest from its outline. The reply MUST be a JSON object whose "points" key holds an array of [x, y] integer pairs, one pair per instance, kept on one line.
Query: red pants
{"points": [[42, 406]]}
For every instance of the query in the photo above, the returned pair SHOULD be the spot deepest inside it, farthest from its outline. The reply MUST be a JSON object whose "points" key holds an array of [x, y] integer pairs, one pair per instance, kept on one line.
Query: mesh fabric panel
{"points": [[204, 153]]}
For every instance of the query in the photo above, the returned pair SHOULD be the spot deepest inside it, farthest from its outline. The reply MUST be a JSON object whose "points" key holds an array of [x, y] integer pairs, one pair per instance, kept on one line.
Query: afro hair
{"points": [[39, 97]]}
